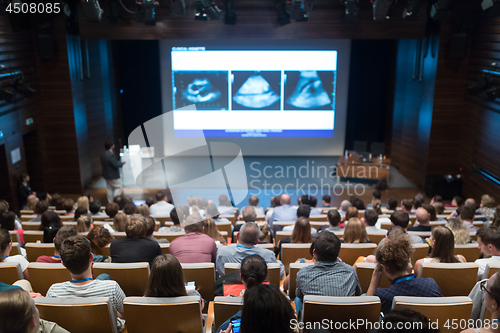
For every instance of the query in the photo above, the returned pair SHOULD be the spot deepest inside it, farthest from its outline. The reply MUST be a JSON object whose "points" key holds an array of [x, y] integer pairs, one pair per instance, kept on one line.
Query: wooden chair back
{"points": [[132, 277], [349, 253], [44, 275], [34, 250], [10, 272], [364, 270], [225, 308], [203, 274], [470, 251], [290, 252], [453, 279]]}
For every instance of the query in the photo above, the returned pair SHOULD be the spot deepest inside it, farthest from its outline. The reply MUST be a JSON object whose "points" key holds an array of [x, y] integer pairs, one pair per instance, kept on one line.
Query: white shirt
{"points": [[290, 228], [494, 260], [161, 208], [20, 259]]}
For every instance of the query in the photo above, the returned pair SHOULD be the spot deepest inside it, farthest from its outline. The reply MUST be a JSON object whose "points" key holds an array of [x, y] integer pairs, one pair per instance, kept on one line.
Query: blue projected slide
{"points": [[254, 93]]}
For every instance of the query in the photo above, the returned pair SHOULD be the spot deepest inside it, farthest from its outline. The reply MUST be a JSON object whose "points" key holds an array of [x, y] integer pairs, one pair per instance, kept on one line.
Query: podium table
{"points": [[353, 168]]}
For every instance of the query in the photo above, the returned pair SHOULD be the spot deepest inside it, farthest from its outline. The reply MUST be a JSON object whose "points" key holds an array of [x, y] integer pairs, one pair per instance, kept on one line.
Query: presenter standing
{"points": [[111, 171]]}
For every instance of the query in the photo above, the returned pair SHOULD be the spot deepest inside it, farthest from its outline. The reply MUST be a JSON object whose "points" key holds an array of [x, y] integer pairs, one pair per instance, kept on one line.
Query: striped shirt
{"points": [[327, 279], [96, 288]]}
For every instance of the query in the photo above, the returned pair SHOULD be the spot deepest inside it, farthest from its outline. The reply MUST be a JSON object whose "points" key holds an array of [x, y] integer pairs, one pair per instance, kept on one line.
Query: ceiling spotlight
{"points": [[283, 16], [230, 17], [21, 87], [206, 9], [411, 9], [146, 11], [351, 8], [382, 9], [482, 84]]}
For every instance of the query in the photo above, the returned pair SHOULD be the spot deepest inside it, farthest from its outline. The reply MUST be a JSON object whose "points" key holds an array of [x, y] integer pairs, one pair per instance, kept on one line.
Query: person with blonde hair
{"points": [[355, 232], [119, 222], [377, 206], [143, 210], [264, 232], [459, 230], [210, 229], [487, 206], [83, 201], [349, 214], [83, 223], [31, 203]]}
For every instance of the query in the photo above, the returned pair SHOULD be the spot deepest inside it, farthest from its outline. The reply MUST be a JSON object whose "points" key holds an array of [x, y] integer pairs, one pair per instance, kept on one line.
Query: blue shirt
{"points": [[407, 285], [283, 213]]}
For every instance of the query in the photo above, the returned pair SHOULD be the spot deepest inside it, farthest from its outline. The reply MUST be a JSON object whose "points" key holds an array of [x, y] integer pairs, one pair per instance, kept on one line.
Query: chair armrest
{"points": [[210, 318]]}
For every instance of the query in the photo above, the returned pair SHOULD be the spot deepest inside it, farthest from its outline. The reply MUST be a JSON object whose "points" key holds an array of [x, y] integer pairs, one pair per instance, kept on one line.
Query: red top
{"points": [[48, 259], [194, 247]]}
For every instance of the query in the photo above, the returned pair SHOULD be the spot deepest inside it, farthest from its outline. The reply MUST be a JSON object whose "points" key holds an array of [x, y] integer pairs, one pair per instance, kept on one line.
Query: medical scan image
{"points": [[309, 90], [256, 90], [208, 90]]}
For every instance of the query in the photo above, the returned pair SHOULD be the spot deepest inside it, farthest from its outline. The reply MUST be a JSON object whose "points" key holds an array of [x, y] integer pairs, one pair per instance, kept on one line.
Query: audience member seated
{"points": [[495, 221], [111, 210], [254, 202], [77, 257], [407, 205], [422, 222], [439, 207], [8, 222], [210, 229], [80, 211], [211, 211], [349, 214], [99, 237], [275, 202], [253, 272], [143, 210], [162, 207], [394, 262], [327, 200], [284, 212], [6, 247], [50, 224], [301, 234], [247, 238], [69, 206], [40, 208], [329, 276], [466, 214], [487, 206], [135, 247], [370, 219], [431, 210], [460, 231], [455, 202], [130, 208], [377, 206], [312, 202], [355, 232], [31, 203], [488, 240], [18, 314], [63, 233], [392, 203], [302, 211], [201, 204], [166, 278], [357, 202], [443, 247], [59, 204], [83, 223], [491, 290], [248, 214], [119, 222], [120, 201], [334, 218], [264, 232], [83, 202], [265, 310], [412, 321], [225, 207], [194, 246], [418, 201], [177, 215], [402, 219], [344, 206], [95, 207]]}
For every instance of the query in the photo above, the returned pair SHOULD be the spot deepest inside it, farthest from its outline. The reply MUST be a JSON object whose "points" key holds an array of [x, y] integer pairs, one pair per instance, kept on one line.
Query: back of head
{"points": [[351, 212], [444, 245], [49, 218], [418, 201], [488, 201], [99, 237], [151, 224], [494, 288], [8, 220], [377, 206], [3, 206], [412, 321], [253, 270], [266, 310], [68, 205], [264, 231], [17, 309], [358, 203], [130, 208], [136, 226], [253, 200], [489, 236], [460, 231], [55, 198], [160, 196], [345, 205], [31, 203], [120, 201], [285, 199], [193, 223], [304, 211], [224, 201], [83, 201], [422, 216], [60, 203], [150, 201], [108, 145], [395, 253], [201, 203], [83, 223], [63, 233], [392, 203], [458, 200], [143, 210], [437, 198], [327, 199], [119, 222], [75, 254], [467, 213], [377, 195], [210, 229], [249, 233], [302, 231], [355, 231], [277, 201], [400, 219], [431, 210], [80, 211], [314, 202], [371, 217], [166, 278], [407, 204], [327, 246], [333, 217], [192, 201], [439, 207], [5, 240], [305, 199], [41, 207], [248, 213], [95, 206], [211, 210]]}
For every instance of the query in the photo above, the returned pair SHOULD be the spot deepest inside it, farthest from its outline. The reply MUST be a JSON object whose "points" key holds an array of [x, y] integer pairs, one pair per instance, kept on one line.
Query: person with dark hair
{"points": [[50, 223], [135, 247], [370, 218], [76, 256], [194, 246], [466, 214], [112, 209], [327, 200], [69, 206], [302, 212], [392, 203], [275, 202], [329, 276], [18, 314], [334, 218], [111, 171], [357, 202], [40, 208], [95, 207], [63, 233], [253, 272], [455, 202], [120, 201], [431, 210], [8, 221], [412, 321], [418, 201], [177, 215], [394, 262], [24, 189], [407, 205], [253, 201], [436, 198], [402, 219], [247, 238], [6, 247], [423, 219], [488, 240], [488, 296], [162, 207], [81, 211], [376, 196], [351, 212], [301, 234], [150, 201], [311, 202], [130, 208], [99, 237]]}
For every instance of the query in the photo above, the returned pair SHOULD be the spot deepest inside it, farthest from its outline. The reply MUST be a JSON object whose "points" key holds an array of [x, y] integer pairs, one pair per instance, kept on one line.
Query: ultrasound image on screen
{"points": [[256, 90], [309, 90], [208, 90]]}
